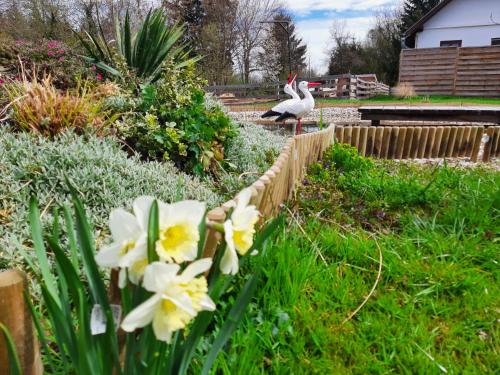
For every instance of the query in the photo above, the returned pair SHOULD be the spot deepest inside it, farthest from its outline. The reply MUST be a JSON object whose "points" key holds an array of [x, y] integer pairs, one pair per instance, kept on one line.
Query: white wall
{"points": [[466, 20]]}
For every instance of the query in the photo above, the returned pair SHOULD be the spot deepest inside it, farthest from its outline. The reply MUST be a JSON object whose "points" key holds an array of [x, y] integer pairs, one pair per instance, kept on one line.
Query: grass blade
{"points": [[233, 320], [14, 364], [153, 232], [41, 254]]}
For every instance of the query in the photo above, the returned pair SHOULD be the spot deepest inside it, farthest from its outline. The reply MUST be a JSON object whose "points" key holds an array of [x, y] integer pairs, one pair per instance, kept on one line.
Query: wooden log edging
{"points": [[429, 142], [279, 183], [15, 315]]}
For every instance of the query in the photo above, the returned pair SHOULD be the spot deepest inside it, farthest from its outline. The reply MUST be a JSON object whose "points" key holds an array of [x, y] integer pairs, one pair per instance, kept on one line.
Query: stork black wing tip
{"points": [[285, 116], [270, 113]]}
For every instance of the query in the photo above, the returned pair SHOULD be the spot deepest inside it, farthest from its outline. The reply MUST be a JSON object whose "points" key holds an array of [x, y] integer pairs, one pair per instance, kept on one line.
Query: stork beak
{"points": [[313, 84], [290, 80], [293, 79]]}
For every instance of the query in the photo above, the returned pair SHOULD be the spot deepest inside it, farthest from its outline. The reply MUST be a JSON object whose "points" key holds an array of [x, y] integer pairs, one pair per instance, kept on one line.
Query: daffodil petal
{"points": [[196, 268], [133, 255], [122, 278], [109, 256], [141, 207], [190, 210], [142, 315], [123, 225], [182, 301], [244, 198], [229, 263], [228, 234], [207, 303], [157, 275]]}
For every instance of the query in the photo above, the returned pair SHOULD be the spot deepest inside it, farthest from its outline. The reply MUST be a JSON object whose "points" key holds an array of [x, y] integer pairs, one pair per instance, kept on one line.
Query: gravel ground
{"points": [[329, 115]]}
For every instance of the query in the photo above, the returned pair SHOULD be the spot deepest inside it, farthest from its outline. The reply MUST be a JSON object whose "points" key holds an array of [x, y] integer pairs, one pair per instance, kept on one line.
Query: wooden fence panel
{"points": [[377, 145], [444, 142], [393, 142], [423, 142], [467, 71], [370, 141]]}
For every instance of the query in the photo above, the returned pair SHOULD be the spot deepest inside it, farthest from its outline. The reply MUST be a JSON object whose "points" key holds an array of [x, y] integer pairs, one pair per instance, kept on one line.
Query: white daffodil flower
{"points": [[179, 234], [239, 232], [128, 251], [177, 298]]}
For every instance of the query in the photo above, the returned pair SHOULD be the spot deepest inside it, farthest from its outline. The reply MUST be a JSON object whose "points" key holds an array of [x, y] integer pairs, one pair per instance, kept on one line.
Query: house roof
{"points": [[418, 26]]}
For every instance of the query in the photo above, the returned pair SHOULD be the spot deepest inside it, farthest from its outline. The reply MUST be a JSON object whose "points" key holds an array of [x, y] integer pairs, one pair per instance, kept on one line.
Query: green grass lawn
{"points": [[436, 306], [381, 100]]}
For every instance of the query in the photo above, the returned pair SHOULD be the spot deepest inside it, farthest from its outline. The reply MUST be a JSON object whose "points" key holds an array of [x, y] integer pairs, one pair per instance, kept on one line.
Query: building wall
{"points": [[474, 22]]}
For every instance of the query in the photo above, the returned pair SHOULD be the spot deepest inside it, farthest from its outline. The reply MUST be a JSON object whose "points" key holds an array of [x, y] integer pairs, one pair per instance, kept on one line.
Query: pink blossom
{"points": [[61, 51], [53, 44], [93, 68], [99, 77], [61, 58], [51, 53], [1, 81]]}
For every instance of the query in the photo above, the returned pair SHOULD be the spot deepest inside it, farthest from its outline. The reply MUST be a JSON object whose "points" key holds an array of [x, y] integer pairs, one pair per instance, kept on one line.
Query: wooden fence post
{"points": [[15, 315]]}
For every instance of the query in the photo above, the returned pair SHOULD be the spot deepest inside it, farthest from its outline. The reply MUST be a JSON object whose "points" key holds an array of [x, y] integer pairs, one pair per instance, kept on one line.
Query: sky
{"points": [[314, 18]]}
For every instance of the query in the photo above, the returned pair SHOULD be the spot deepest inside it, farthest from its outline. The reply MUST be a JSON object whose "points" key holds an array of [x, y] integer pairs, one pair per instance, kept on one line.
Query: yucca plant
{"points": [[144, 51]]}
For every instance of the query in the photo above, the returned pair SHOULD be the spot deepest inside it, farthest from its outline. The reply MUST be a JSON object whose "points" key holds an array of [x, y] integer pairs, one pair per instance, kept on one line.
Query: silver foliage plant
{"points": [[105, 175]]}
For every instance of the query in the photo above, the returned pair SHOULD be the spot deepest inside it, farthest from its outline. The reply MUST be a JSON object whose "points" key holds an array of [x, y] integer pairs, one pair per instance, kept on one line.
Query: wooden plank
{"points": [[355, 137], [488, 145], [465, 140], [444, 142], [451, 142], [408, 143], [363, 135], [495, 141], [401, 143], [339, 133], [348, 135], [437, 142], [417, 133], [477, 144], [422, 143], [370, 141], [377, 145], [458, 142], [393, 142], [386, 140], [470, 141], [430, 142]]}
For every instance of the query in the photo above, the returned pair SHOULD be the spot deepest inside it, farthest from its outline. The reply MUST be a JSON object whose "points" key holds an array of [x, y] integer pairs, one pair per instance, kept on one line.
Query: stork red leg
{"points": [[299, 126]]}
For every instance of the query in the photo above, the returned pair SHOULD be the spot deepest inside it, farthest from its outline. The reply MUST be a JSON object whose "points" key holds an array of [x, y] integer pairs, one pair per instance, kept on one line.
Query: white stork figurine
{"points": [[282, 107], [299, 109]]}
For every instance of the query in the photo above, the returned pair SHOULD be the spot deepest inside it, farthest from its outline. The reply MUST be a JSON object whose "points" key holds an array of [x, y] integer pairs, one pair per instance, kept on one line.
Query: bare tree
{"points": [[250, 31]]}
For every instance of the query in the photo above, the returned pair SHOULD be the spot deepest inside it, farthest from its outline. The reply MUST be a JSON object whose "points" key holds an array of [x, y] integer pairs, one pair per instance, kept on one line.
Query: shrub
{"points": [[41, 59], [103, 173], [37, 106], [191, 136]]}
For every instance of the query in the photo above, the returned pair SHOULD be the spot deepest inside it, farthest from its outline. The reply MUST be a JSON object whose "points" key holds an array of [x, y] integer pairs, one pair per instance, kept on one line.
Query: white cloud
{"points": [[316, 34], [304, 7]]}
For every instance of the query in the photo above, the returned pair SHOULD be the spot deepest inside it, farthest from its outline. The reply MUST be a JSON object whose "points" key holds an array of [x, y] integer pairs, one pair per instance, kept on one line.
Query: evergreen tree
{"points": [[191, 13], [413, 10], [274, 58]]}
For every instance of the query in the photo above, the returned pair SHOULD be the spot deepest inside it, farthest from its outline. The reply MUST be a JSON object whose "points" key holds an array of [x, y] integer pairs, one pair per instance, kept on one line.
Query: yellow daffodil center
{"points": [[170, 316], [196, 289], [177, 241], [243, 240], [168, 306], [139, 267], [127, 246]]}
